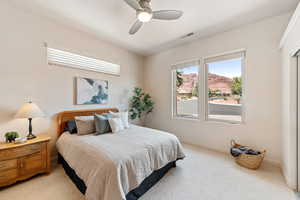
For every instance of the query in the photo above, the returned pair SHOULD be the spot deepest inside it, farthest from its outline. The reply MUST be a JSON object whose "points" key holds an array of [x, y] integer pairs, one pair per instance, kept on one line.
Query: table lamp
{"points": [[29, 111]]}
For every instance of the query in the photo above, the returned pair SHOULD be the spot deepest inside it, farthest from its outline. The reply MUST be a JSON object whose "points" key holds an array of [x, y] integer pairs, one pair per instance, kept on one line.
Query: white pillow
{"points": [[123, 116], [116, 124]]}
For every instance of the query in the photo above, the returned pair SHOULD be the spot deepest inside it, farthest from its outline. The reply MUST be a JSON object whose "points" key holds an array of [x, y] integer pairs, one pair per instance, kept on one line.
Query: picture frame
{"points": [[91, 91]]}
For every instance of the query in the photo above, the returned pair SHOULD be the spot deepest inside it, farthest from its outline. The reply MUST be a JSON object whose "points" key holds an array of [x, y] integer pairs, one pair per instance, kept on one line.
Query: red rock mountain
{"points": [[215, 82]]}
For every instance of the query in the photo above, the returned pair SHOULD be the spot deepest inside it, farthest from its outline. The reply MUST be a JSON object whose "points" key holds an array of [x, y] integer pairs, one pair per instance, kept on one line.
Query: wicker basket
{"points": [[248, 161]]}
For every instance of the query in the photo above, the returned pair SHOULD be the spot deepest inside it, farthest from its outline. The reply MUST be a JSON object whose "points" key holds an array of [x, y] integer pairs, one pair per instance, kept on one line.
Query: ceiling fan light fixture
{"points": [[144, 16]]}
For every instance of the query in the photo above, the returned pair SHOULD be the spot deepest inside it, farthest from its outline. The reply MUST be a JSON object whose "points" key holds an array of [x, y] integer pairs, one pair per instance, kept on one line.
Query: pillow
{"points": [[71, 126], [116, 124], [85, 125], [102, 124], [123, 116]]}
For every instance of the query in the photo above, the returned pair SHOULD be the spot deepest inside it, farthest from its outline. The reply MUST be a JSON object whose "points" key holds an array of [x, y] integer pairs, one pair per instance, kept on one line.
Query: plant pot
{"points": [[10, 140]]}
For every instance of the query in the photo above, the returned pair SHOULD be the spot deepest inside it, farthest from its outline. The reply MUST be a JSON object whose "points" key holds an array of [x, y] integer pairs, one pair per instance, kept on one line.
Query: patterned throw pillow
{"points": [[85, 125]]}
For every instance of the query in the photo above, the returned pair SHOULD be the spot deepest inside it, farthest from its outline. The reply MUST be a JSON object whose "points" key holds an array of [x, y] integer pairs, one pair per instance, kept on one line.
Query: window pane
{"points": [[187, 92], [225, 90]]}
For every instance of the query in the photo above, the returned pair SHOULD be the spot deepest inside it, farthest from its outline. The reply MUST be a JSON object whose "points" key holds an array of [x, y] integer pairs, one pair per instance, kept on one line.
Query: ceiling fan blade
{"points": [[167, 14], [133, 4], [135, 27]]}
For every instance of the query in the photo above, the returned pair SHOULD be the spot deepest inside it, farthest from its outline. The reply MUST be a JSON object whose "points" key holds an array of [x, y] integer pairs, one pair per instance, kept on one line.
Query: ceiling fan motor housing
{"points": [[146, 5]]}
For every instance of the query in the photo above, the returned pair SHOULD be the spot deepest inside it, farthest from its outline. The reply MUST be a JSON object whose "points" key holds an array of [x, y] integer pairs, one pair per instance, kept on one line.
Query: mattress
{"points": [[112, 165]]}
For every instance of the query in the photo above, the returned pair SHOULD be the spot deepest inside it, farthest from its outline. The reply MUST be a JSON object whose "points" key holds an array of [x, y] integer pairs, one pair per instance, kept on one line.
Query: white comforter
{"points": [[111, 165]]}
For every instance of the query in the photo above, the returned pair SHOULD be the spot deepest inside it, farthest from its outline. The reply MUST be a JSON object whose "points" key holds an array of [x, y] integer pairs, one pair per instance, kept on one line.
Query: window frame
{"points": [[243, 77], [174, 68]]}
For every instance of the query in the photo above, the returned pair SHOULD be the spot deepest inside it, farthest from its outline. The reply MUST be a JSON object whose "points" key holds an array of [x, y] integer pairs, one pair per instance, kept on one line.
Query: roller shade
{"points": [[67, 59], [185, 64], [231, 56]]}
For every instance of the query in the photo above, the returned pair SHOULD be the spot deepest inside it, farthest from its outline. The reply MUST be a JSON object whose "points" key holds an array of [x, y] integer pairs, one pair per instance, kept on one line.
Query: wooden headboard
{"points": [[63, 117]]}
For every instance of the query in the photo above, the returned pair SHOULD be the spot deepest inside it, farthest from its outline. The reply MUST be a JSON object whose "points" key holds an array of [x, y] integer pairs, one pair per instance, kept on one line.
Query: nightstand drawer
{"points": [[8, 175], [8, 164], [31, 163], [20, 151]]}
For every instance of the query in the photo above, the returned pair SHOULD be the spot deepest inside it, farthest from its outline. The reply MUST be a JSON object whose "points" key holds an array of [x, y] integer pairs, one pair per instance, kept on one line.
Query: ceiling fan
{"points": [[144, 13]]}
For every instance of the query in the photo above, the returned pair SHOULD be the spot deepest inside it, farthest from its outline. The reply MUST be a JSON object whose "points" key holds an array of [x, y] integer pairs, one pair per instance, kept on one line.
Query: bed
{"points": [[119, 166]]}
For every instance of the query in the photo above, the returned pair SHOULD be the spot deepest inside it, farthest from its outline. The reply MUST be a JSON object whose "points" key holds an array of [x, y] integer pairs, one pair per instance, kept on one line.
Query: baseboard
{"points": [[266, 160], [273, 163]]}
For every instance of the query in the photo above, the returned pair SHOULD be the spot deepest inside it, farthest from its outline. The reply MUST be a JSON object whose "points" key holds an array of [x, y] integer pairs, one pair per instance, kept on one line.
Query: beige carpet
{"points": [[203, 175]]}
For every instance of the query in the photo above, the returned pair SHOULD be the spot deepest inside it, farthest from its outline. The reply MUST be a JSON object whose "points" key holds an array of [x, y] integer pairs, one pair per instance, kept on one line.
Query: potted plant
{"points": [[141, 104], [11, 136]]}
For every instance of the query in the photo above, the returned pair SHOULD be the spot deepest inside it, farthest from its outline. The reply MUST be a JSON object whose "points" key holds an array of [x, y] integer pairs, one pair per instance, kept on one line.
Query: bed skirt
{"points": [[135, 194]]}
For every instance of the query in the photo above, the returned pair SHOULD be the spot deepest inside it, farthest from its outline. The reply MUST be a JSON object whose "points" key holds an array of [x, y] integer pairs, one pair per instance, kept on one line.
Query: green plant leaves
{"points": [[11, 136], [140, 104], [237, 86]]}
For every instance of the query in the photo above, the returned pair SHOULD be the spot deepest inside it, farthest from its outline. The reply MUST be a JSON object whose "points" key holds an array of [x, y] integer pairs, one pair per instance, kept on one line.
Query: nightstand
{"points": [[22, 161]]}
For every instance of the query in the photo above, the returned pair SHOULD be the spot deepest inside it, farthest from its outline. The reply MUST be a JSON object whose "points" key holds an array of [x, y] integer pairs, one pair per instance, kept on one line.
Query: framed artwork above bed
{"points": [[91, 91]]}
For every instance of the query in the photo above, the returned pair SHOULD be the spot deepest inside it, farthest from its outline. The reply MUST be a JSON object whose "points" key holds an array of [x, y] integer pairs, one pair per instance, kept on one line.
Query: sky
{"points": [[189, 70], [228, 68]]}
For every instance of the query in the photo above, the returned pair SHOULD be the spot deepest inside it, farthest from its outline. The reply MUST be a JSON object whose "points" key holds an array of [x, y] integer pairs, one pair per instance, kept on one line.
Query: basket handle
{"points": [[233, 143]]}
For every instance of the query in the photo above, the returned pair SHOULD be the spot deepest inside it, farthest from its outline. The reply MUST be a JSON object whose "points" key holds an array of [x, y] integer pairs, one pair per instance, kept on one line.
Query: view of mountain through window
{"points": [[213, 91], [224, 88], [187, 91]]}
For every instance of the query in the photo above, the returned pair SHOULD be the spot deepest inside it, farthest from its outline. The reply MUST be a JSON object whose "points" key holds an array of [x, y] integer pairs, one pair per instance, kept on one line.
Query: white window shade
{"points": [[185, 64], [225, 57], [67, 59]]}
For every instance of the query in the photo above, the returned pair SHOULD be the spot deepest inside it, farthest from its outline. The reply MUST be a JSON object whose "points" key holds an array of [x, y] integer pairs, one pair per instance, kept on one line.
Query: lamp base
{"points": [[30, 136]]}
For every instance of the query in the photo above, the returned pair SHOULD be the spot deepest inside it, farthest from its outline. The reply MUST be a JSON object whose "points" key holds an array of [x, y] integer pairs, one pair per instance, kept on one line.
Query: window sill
{"points": [[185, 118], [209, 120], [228, 122]]}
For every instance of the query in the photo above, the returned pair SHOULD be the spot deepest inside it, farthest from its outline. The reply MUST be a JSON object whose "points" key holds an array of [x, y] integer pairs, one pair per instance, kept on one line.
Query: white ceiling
{"points": [[111, 19]]}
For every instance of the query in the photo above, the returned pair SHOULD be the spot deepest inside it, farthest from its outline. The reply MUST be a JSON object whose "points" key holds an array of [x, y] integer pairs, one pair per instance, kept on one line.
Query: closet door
{"points": [[298, 120]]}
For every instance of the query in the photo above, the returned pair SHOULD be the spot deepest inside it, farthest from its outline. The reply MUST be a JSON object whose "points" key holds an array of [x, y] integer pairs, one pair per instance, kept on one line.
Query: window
{"points": [[224, 80], [67, 59], [186, 90]]}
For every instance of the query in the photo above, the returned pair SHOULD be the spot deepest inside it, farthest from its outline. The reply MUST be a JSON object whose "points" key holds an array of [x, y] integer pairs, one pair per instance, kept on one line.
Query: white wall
{"points": [[262, 89], [289, 45], [24, 73]]}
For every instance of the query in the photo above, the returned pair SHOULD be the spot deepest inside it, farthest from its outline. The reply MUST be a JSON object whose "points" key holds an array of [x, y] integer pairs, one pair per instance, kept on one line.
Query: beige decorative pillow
{"points": [[85, 125]]}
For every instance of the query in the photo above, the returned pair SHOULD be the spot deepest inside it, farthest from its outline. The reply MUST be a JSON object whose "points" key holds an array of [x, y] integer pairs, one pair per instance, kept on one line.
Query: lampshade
{"points": [[29, 110]]}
